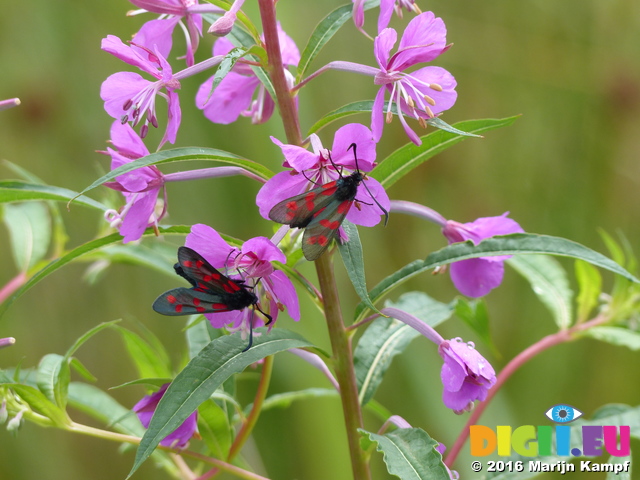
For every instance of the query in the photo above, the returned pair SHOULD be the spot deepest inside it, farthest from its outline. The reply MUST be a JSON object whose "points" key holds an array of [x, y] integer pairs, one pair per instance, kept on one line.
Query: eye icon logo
{"points": [[563, 413]]}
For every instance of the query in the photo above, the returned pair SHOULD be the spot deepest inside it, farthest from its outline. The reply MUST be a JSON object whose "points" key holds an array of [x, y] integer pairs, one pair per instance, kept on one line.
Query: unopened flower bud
{"points": [[15, 423], [223, 25]]}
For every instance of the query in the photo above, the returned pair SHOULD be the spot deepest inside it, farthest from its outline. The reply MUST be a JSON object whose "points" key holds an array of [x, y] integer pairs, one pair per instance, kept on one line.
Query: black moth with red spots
{"points": [[321, 211], [211, 291]]}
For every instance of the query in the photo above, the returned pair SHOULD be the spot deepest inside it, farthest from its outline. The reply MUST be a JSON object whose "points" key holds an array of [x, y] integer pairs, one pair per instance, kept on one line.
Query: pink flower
{"points": [[160, 32], [140, 187], [129, 97], [421, 94], [311, 169], [180, 437], [251, 261], [466, 375], [478, 276], [234, 95]]}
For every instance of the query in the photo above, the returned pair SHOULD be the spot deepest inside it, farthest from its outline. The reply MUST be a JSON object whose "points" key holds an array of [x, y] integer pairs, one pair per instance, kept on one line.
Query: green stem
{"points": [[343, 365], [340, 340], [288, 110]]}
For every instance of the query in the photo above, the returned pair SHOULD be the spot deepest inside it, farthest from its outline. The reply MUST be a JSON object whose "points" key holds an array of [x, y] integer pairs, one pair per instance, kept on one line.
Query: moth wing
{"points": [[324, 228], [204, 276], [300, 210], [189, 301]]}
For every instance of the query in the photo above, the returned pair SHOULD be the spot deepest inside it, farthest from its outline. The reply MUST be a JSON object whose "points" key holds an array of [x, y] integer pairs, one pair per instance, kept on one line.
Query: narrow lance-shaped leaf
{"points": [[410, 454], [351, 253], [82, 250], [181, 155], [410, 156], [219, 360], [16, 191], [550, 283], [29, 226], [514, 244], [590, 282]]}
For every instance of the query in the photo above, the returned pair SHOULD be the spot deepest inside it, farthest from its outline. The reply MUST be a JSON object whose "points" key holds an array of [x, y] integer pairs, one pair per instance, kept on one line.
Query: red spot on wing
{"points": [[329, 188], [234, 286], [309, 198], [187, 263], [196, 301], [216, 276], [322, 240], [325, 222], [199, 264], [219, 306], [344, 207], [178, 308], [206, 278], [292, 206], [200, 309], [171, 299], [227, 288]]}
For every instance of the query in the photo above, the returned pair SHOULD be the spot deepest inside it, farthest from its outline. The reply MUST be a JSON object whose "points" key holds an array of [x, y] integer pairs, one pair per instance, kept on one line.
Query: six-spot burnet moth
{"points": [[211, 291], [321, 210]]}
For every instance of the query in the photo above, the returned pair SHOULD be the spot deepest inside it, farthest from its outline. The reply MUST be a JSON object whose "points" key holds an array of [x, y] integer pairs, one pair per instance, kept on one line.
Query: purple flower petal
{"points": [[386, 10], [378, 115], [382, 46], [476, 277], [281, 186], [222, 319], [157, 34], [208, 243], [282, 288], [263, 249], [296, 157], [444, 99], [288, 48], [131, 55], [127, 141], [137, 219], [231, 97], [366, 147], [174, 116], [120, 88], [369, 215], [422, 41]]}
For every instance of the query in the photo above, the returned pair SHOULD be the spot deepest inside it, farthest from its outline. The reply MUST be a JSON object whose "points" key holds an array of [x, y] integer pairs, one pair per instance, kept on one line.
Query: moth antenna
{"points": [[355, 156], [335, 166], [305, 176]]}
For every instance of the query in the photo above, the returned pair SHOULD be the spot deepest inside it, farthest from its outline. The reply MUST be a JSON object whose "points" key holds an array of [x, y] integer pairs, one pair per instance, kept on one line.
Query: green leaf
{"points": [[590, 283], [616, 336], [225, 67], [386, 337], [154, 383], [39, 402], [80, 341], [103, 407], [151, 361], [410, 454], [53, 377], [474, 313], [351, 253], [323, 32], [181, 155], [364, 106], [29, 226], [514, 244], [218, 361], [410, 156], [550, 283], [199, 334], [214, 427], [82, 250], [16, 191]]}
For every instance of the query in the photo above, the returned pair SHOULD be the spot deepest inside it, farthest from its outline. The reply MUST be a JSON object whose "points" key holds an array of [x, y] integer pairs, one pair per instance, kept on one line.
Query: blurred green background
{"points": [[568, 167]]}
